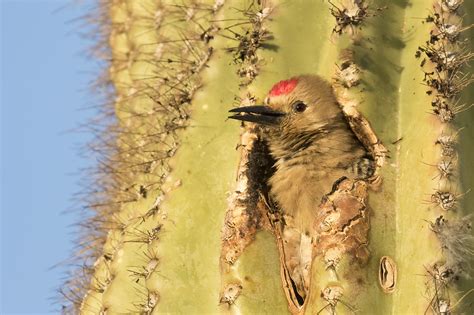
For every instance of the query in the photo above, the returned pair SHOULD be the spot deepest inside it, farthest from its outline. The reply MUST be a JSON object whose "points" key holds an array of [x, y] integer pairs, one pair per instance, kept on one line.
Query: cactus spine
{"points": [[169, 167]]}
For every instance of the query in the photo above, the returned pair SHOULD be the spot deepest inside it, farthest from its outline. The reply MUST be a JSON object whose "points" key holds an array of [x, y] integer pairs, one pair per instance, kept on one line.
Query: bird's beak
{"points": [[257, 114]]}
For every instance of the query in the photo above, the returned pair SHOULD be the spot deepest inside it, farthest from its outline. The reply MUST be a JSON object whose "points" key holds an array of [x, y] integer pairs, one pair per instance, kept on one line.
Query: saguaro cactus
{"points": [[179, 224]]}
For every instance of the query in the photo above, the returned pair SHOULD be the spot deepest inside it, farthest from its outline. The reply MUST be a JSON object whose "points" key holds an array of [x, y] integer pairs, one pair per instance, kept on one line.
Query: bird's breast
{"points": [[303, 177]]}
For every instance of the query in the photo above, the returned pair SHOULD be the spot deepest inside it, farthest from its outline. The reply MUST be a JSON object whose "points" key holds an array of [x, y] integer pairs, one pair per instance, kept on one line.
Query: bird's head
{"points": [[301, 104]]}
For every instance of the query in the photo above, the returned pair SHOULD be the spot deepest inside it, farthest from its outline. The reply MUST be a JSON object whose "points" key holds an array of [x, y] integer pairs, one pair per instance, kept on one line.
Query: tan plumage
{"points": [[313, 149]]}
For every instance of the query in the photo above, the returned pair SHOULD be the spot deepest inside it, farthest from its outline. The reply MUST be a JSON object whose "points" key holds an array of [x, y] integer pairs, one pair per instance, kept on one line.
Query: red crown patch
{"points": [[283, 87]]}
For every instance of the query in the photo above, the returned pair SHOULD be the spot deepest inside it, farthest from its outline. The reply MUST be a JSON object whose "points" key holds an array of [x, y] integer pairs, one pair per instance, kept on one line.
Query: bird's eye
{"points": [[299, 106]]}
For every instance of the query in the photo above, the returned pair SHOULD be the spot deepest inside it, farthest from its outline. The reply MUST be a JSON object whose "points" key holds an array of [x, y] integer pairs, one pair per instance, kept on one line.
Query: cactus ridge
{"points": [[166, 160]]}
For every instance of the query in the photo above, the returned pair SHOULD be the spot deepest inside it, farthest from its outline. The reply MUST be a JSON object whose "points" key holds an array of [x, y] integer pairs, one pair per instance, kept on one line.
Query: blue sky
{"points": [[44, 79]]}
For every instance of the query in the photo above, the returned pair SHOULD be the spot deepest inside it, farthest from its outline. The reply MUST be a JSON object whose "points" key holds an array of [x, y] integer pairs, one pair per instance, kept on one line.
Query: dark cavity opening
{"points": [[299, 298]]}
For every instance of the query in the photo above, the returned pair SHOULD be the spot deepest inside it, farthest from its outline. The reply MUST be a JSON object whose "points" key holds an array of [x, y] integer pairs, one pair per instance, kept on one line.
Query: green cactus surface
{"points": [[169, 188]]}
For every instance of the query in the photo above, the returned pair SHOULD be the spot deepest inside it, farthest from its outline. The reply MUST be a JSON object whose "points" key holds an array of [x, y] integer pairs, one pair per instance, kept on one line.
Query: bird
{"points": [[313, 147]]}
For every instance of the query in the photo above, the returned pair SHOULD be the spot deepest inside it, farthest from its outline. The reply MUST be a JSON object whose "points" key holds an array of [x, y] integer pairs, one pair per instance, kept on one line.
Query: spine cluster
{"points": [[157, 52], [342, 223], [444, 58]]}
